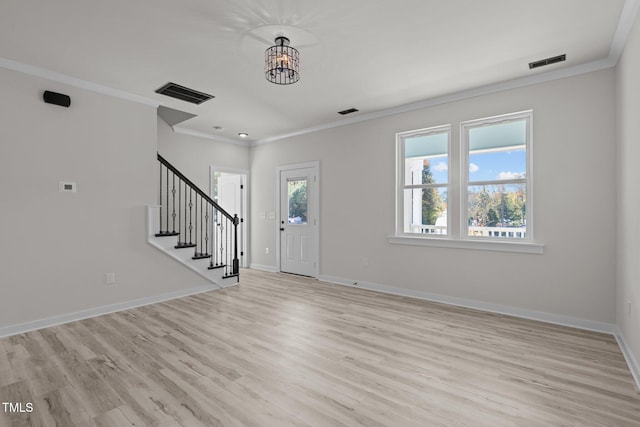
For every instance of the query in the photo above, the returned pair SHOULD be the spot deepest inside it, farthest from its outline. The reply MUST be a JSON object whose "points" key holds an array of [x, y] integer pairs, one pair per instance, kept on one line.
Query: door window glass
{"points": [[298, 201]]}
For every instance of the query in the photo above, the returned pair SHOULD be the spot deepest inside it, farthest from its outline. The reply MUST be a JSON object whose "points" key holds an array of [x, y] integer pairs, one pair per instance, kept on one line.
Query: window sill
{"points": [[483, 245]]}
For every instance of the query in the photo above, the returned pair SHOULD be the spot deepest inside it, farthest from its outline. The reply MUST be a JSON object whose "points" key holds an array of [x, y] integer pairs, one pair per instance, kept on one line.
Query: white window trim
{"points": [[480, 244], [464, 164], [400, 168], [458, 239]]}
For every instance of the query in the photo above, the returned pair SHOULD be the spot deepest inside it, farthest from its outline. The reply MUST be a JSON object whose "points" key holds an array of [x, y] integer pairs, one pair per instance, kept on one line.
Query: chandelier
{"points": [[282, 63]]}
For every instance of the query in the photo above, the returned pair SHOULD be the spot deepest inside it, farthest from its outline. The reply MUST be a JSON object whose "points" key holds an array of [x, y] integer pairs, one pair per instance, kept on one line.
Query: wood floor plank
{"points": [[62, 407], [292, 351], [18, 394]]}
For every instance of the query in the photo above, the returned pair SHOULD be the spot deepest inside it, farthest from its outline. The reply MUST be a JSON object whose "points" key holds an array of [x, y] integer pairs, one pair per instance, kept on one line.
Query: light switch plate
{"points": [[67, 187]]}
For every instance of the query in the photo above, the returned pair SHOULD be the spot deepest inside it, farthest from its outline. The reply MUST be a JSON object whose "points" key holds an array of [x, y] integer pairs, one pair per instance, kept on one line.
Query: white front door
{"points": [[298, 220]]}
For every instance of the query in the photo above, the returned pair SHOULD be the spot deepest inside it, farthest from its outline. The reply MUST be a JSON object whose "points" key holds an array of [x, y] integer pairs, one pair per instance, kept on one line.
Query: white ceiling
{"points": [[372, 55]]}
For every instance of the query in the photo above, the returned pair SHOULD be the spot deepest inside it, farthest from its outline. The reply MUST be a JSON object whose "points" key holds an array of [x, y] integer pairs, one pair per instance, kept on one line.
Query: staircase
{"points": [[191, 228]]}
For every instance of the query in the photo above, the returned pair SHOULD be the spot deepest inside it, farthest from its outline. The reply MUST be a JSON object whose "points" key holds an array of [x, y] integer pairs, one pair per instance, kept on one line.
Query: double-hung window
{"points": [[496, 177], [424, 174], [468, 190]]}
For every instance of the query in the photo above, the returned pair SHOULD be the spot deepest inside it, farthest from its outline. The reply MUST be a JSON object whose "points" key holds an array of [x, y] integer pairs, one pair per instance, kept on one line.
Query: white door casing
{"points": [[298, 219]]}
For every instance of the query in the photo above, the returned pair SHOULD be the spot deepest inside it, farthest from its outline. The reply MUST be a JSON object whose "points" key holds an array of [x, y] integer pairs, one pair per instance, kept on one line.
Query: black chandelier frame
{"points": [[282, 62]]}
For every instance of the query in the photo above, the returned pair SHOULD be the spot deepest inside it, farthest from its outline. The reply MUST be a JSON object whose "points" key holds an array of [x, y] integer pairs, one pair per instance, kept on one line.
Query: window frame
{"points": [[465, 126], [401, 173], [457, 189]]}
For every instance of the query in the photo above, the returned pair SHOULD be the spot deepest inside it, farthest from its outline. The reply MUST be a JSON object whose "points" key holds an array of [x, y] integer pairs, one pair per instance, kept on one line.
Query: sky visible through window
{"points": [[486, 166]]}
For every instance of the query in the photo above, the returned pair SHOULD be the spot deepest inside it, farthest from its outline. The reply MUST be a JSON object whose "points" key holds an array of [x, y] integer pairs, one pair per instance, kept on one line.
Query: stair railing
{"points": [[199, 222]]}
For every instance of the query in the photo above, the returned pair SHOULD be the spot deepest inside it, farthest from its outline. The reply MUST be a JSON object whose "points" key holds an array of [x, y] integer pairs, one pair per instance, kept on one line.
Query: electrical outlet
{"points": [[266, 251], [629, 308], [365, 261], [109, 278]]}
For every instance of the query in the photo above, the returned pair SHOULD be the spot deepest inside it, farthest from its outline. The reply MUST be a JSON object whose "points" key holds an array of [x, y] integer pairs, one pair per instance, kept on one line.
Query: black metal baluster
{"points": [[236, 261], [213, 237], [215, 230], [206, 230], [226, 248], [179, 207], [221, 242], [173, 199], [184, 241], [218, 261], [160, 199], [190, 223], [167, 199]]}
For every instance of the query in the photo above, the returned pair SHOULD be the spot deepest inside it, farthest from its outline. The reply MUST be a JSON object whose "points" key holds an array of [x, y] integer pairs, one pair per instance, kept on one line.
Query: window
{"points": [[475, 193], [496, 177], [298, 205], [425, 180]]}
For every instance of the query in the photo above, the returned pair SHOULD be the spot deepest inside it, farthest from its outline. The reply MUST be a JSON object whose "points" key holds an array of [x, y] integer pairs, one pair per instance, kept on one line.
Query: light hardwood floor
{"points": [[283, 350]]}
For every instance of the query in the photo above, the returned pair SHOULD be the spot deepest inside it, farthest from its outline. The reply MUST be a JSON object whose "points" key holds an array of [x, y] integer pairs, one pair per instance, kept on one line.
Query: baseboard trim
{"points": [[590, 325], [99, 311], [628, 356], [269, 268], [556, 319]]}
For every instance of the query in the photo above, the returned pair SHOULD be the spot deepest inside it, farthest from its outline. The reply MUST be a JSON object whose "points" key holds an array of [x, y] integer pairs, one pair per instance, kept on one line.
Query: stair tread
{"points": [[214, 267], [199, 255], [185, 245], [167, 234]]}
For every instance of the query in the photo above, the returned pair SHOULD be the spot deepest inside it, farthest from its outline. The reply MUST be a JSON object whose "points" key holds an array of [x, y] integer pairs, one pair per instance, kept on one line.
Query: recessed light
{"points": [[243, 134]]}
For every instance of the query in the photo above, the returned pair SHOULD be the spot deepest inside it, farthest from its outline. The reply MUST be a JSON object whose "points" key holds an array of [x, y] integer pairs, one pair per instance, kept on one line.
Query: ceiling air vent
{"points": [[184, 93], [547, 61], [349, 111]]}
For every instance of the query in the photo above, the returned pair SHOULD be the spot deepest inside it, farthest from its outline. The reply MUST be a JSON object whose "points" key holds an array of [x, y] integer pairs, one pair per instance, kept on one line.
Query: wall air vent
{"points": [[547, 61], [184, 93], [349, 111]]}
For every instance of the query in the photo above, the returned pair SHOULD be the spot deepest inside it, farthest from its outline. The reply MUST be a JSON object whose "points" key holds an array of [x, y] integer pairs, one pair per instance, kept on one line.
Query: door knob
{"points": [[281, 228]]}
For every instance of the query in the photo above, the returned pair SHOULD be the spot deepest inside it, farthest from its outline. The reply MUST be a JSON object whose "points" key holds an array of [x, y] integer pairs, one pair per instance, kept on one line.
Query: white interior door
{"points": [[298, 221], [231, 199]]}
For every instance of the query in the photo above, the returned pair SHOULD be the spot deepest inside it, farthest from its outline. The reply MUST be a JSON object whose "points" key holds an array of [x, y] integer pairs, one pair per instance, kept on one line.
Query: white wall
{"points": [[628, 109], [574, 189], [193, 155], [56, 247]]}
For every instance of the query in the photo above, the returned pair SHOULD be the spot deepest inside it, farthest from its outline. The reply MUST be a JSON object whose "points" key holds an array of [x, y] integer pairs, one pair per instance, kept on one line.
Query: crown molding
{"points": [[75, 82], [625, 25], [206, 135], [588, 67]]}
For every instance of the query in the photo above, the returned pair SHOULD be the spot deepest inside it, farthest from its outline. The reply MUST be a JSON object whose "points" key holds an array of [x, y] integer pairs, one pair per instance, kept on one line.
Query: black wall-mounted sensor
{"points": [[56, 98]]}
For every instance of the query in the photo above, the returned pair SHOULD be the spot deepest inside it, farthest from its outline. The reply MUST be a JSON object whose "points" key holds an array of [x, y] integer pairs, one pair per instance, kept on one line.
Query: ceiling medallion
{"points": [[282, 63]]}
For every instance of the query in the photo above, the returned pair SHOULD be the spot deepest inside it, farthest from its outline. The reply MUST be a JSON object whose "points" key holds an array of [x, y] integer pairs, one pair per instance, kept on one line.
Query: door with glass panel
{"points": [[298, 221]]}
